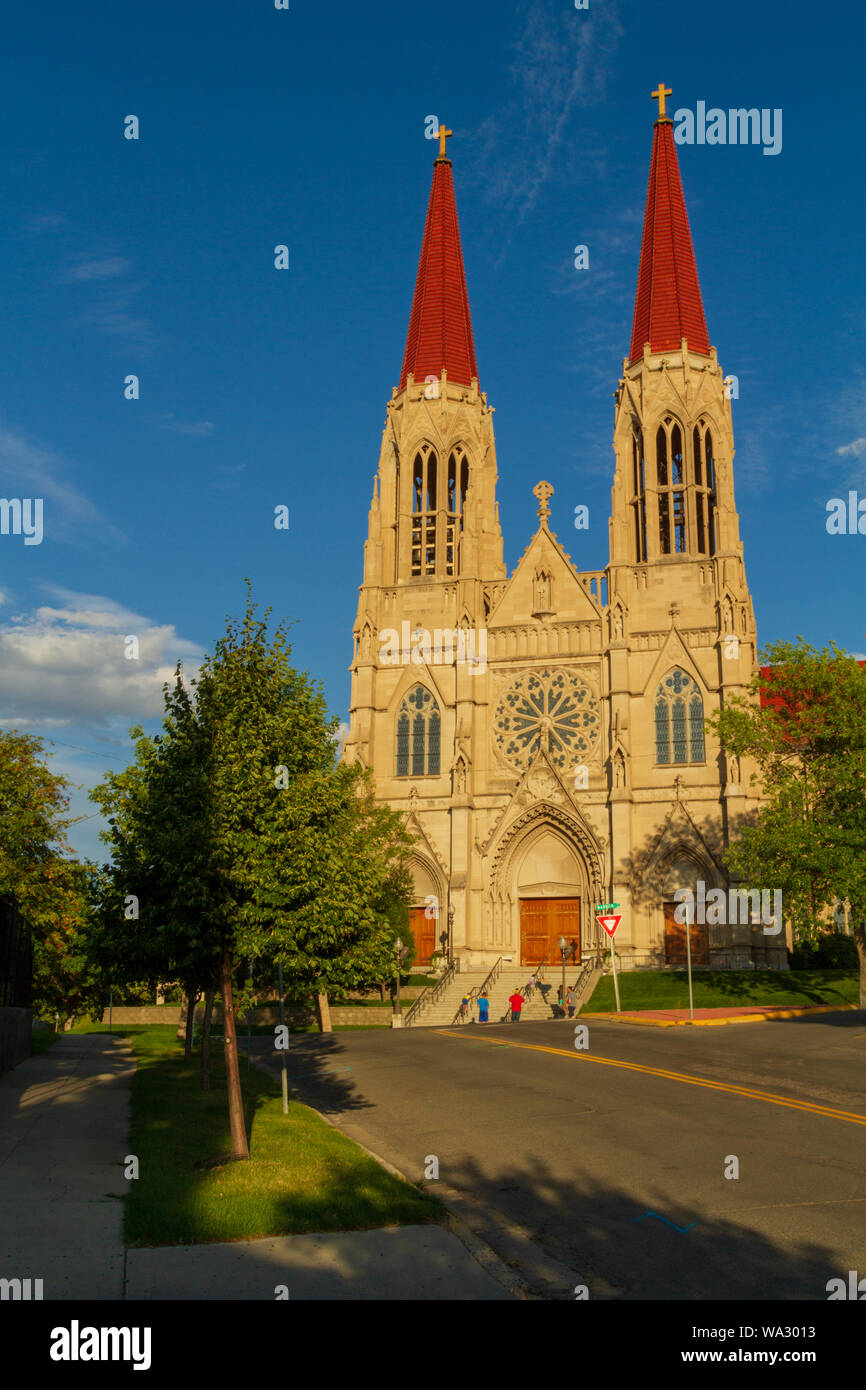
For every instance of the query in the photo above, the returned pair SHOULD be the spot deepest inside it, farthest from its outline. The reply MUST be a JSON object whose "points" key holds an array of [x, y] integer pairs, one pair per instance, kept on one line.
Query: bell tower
{"points": [[674, 526], [433, 548]]}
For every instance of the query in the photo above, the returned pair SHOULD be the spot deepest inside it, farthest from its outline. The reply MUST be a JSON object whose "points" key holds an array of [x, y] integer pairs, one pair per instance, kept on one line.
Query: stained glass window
{"points": [[418, 714], [679, 720]]}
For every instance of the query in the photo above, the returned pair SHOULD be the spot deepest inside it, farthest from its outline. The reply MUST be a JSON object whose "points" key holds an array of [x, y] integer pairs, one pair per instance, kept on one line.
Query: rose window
{"points": [[555, 709]]}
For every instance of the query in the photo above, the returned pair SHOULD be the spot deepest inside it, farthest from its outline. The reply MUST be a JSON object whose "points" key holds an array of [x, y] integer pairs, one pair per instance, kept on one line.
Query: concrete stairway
{"points": [[445, 1011]]}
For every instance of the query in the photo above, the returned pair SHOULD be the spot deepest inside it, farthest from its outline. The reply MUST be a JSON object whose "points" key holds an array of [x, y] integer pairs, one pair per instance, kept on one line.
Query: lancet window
{"points": [[705, 490], [671, 488], [419, 734], [679, 720]]}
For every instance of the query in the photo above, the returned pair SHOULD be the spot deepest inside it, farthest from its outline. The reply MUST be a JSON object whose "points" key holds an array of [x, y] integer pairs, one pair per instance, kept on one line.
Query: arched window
{"points": [[705, 489], [424, 512], [458, 483], [671, 484], [679, 720], [419, 731], [638, 504]]}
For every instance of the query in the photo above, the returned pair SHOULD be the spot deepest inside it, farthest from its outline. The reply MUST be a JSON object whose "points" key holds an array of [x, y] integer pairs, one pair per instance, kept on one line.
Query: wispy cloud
{"points": [[29, 470], [563, 58], [195, 429], [106, 269], [44, 222]]}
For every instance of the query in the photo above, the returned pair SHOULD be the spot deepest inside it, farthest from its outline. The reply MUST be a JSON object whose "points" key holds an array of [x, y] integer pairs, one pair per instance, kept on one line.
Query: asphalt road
{"points": [[559, 1157]]}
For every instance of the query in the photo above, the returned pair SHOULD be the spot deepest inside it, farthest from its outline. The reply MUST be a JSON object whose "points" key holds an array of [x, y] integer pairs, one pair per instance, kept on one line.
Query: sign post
{"points": [[690, 912], [608, 916]]}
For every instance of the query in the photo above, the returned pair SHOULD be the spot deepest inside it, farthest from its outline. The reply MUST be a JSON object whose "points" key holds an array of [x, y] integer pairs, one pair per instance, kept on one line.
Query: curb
{"points": [[482, 1253], [734, 1018]]}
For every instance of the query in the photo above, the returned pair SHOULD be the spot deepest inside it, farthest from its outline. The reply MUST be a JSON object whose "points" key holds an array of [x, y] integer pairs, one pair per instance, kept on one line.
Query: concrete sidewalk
{"points": [[64, 1135]]}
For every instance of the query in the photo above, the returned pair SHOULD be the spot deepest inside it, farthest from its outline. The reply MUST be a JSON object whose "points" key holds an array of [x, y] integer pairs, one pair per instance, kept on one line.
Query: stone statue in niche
{"points": [[542, 592], [618, 771], [366, 642], [460, 777], [734, 770], [617, 626]]}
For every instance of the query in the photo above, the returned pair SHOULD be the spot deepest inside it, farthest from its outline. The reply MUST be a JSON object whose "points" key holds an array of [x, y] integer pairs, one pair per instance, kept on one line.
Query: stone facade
{"points": [[543, 731]]}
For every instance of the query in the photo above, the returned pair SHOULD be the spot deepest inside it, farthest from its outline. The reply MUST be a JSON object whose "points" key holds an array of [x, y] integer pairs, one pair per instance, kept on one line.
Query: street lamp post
{"points": [[400, 951], [563, 951]]}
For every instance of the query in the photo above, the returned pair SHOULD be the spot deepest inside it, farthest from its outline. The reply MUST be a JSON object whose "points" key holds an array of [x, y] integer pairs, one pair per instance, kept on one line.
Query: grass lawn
{"points": [[714, 989], [41, 1040], [302, 1174]]}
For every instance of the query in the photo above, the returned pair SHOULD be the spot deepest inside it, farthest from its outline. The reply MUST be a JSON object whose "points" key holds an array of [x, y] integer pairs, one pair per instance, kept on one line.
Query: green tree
{"points": [[808, 738], [242, 840], [33, 821]]}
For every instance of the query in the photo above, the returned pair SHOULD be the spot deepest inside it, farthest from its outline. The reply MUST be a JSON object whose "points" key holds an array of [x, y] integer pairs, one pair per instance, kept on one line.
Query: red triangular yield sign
{"points": [[610, 921]]}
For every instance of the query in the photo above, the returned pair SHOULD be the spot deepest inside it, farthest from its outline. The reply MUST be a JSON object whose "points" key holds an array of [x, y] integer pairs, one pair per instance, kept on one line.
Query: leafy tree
{"points": [[66, 981], [808, 738], [33, 821], [244, 841]]}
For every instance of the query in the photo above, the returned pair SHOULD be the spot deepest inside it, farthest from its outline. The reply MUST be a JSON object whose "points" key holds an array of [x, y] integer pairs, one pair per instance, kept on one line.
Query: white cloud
{"points": [[66, 664], [855, 448]]}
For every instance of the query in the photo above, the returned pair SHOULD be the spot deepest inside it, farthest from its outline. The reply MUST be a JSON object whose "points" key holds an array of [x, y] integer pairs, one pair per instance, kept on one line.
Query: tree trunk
{"points": [[382, 988], [205, 1040], [860, 941], [190, 1024], [324, 1013], [240, 1148]]}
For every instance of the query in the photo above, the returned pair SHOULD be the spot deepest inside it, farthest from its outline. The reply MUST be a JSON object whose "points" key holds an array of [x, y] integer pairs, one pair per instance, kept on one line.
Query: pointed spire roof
{"points": [[440, 328], [668, 304]]}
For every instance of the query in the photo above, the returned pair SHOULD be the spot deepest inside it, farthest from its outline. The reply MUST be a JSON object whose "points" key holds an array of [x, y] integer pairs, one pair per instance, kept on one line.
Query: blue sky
{"points": [[261, 387]]}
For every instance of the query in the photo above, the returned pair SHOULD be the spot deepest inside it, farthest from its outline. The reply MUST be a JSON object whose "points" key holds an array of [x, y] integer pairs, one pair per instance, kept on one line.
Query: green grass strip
{"points": [[302, 1175]]}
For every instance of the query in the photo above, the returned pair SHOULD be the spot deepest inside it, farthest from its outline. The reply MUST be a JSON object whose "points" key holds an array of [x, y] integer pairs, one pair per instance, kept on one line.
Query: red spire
{"points": [[440, 329], [668, 305]]}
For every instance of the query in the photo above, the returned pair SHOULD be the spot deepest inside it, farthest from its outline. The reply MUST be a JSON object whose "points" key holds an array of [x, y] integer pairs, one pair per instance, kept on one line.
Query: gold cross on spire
{"points": [[544, 492], [444, 133], [659, 94]]}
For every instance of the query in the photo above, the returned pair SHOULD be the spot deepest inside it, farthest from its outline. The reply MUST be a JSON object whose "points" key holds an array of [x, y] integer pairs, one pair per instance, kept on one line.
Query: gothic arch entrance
{"points": [[550, 884]]}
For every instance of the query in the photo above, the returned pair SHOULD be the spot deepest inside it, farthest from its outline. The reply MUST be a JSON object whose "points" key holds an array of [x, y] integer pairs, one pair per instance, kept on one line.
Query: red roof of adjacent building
{"points": [[668, 304], [440, 329]]}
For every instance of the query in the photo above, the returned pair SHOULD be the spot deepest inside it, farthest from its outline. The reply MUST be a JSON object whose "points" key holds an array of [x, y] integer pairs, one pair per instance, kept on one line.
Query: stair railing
{"points": [[430, 995]]}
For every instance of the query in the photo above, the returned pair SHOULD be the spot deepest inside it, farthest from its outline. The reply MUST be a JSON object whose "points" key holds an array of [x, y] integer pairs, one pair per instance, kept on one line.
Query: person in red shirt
{"points": [[516, 1002]]}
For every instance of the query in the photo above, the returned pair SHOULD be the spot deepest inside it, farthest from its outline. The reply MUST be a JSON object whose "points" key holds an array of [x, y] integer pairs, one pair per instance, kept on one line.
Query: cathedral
{"points": [[543, 731]]}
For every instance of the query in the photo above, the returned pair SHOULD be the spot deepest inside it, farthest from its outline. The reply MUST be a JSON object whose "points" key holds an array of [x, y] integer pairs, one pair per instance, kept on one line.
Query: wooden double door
{"points": [[424, 931], [675, 940], [542, 922]]}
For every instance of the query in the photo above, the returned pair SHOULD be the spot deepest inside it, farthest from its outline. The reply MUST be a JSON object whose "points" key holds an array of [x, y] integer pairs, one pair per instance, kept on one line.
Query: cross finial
{"points": [[544, 492], [674, 611], [444, 133], [659, 94]]}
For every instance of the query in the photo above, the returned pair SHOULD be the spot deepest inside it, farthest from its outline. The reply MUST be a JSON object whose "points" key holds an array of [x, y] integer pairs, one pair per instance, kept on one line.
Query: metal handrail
{"points": [[493, 976], [431, 993]]}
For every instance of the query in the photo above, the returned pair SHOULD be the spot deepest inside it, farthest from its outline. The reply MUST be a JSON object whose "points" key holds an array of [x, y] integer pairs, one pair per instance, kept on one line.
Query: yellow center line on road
{"points": [[744, 1091]]}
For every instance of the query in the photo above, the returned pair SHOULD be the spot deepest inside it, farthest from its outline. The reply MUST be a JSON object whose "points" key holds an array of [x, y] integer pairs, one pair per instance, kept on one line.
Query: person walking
{"points": [[530, 987], [464, 1008], [483, 1007], [516, 1002], [570, 1000], [560, 1008]]}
